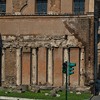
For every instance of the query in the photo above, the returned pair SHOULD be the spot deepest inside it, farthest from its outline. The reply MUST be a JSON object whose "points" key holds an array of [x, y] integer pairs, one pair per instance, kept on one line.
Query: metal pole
{"points": [[66, 84], [95, 56], [95, 44], [66, 81]]}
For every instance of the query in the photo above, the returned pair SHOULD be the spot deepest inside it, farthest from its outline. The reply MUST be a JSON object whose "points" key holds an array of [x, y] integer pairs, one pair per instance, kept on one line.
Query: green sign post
{"points": [[68, 69]]}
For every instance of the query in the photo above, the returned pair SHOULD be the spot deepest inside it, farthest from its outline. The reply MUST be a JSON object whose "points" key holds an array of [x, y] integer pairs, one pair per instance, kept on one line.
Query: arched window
{"points": [[41, 6], [79, 6], [2, 6]]}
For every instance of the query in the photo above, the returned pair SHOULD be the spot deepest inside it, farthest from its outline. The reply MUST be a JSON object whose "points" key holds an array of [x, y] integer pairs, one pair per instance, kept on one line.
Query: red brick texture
{"points": [[58, 67], [41, 65], [26, 68], [74, 57], [10, 66]]}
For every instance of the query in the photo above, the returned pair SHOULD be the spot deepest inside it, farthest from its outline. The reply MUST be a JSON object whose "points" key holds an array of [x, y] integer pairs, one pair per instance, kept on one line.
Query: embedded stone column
{"points": [[66, 58], [34, 66], [82, 67], [3, 65], [91, 5], [18, 66], [9, 7], [50, 66]]}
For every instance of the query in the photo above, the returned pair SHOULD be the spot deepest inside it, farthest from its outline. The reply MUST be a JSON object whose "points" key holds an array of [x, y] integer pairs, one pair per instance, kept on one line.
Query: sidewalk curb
{"points": [[15, 98], [91, 97]]}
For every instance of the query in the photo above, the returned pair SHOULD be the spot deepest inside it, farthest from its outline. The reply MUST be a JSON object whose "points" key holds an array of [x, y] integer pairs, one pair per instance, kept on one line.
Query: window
{"points": [[41, 7], [79, 6], [2, 6]]}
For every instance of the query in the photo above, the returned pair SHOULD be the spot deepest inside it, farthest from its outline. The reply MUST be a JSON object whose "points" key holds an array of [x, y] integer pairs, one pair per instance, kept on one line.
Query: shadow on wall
{"points": [[0, 57]]}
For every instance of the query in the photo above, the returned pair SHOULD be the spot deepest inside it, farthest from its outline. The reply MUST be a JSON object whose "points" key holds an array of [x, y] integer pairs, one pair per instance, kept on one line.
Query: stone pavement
{"points": [[95, 98]]}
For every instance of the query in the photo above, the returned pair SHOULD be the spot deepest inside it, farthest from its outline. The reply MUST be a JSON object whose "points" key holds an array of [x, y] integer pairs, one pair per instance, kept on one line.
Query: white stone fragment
{"points": [[78, 92]]}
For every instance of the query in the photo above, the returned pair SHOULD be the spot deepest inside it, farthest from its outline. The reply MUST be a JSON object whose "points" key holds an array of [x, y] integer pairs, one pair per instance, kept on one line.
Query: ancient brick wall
{"points": [[58, 59], [46, 38], [54, 32], [83, 30], [42, 66], [26, 66], [10, 67], [90, 52]]}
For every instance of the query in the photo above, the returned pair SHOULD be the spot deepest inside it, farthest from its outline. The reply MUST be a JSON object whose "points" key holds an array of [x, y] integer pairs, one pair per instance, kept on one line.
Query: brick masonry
{"points": [[52, 41], [22, 30], [58, 81], [26, 68], [42, 74], [74, 57], [10, 66]]}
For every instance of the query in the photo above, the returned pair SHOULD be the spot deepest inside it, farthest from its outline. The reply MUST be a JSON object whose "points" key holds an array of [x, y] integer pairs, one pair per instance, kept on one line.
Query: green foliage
{"points": [[72, 96]]}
